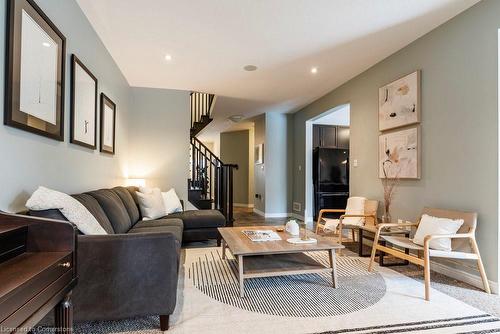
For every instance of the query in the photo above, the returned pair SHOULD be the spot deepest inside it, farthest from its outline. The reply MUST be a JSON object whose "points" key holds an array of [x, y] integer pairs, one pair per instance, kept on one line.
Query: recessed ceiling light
{"points": [[168, 57], [314, 70], [250, 68], [47, 45]]}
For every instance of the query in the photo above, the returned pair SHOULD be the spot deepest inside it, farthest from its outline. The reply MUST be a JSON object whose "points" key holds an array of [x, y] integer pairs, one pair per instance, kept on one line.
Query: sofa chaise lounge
{"points": [[133, 270]]}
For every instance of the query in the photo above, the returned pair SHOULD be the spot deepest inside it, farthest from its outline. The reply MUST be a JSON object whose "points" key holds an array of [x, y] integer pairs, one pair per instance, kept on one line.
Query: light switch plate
{"points": [[355, 163]]}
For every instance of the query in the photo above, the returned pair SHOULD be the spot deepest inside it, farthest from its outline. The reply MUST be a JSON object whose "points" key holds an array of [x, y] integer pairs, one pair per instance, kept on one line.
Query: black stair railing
{"points": [[201, 111], [212, 179]]}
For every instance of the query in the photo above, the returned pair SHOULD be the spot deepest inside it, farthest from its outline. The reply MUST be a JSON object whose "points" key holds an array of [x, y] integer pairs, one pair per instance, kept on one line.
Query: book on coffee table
{"points": [[261, 235]]}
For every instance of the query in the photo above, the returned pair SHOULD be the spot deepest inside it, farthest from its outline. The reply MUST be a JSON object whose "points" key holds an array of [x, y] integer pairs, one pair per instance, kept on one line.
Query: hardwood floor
{"points": [[246, 217]]}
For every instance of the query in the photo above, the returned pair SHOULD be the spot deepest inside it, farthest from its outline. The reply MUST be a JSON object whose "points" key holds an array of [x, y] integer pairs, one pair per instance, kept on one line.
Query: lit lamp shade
{"points": [[136, 182]]}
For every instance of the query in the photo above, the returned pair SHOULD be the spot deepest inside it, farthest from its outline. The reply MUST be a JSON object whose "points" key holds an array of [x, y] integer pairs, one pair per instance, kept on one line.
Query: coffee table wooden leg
{"points": [[240, 274], [333, 264], [223, 249]]}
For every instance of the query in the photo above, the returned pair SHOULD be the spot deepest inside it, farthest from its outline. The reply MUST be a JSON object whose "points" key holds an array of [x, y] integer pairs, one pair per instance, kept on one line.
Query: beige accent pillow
{"points": [[355, 206], [434, 225], [151, 203]]}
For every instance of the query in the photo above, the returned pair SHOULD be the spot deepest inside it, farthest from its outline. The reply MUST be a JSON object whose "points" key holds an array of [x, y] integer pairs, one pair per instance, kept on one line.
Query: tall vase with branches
{"points": [[389, 184]]}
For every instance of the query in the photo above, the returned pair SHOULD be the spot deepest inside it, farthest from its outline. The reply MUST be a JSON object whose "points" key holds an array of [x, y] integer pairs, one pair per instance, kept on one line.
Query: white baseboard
{"points": [[243, 205], [257, 211], [474, 280], [296, 216], [277, 215]]}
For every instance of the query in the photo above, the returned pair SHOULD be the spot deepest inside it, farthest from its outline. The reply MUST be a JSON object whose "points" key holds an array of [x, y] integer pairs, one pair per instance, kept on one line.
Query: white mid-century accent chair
{"points": [[358, 213], [463, 244]]}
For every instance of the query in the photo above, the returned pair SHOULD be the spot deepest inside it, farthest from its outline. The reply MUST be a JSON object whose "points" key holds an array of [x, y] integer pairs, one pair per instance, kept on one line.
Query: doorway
{"points": [[327, 133]]}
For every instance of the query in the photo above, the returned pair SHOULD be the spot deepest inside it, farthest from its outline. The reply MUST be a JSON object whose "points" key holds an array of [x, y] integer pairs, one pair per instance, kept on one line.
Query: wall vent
{"points": [[297, 207]]}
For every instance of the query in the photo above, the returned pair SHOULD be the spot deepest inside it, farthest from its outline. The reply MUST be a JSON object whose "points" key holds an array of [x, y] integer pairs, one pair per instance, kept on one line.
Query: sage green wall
{"points": [[259, 170], [276, 164], [234, 148], [459, 63], [29, 160]]}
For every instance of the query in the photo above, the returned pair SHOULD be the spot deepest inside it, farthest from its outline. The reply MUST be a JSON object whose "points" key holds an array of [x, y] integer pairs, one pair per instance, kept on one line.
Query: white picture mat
{"points": [[404, 146], [108, 127], [84, 112], [38, 79], [399, 102]]}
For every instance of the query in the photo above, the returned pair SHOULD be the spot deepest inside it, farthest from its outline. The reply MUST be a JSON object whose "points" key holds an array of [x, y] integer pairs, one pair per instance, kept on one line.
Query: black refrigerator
{"points": [[330, 178]]}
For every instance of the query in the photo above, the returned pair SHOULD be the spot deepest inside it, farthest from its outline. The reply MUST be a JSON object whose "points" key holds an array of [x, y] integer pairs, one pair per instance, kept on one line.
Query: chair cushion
{"points": [[128, 201], [194, 219], [160, 226], [114, 208], [95, 209]]}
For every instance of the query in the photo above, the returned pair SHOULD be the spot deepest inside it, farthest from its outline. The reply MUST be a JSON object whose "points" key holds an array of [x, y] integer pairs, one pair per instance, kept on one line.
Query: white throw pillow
{"points": [[171, 201], [151, 203], [74, 211], [435, 225], [355, 206]]}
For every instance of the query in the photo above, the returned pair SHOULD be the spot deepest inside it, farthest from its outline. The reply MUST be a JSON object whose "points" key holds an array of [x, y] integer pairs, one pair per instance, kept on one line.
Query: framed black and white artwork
{"points": [[108, 124], [83, 105], [34, 91]]}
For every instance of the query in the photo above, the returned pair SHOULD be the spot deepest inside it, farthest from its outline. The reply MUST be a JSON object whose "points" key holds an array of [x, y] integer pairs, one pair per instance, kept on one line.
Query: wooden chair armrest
{"points": [[448, 236], [356, 216], [320, 216], [381, 226], [322, 211]]}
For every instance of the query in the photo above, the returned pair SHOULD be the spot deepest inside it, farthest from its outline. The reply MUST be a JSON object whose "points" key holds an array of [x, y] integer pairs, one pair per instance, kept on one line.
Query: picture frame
{"points": [[83, 105], [400, 153], [108, 125], [259, 154], [399, 102], [35, 71]]}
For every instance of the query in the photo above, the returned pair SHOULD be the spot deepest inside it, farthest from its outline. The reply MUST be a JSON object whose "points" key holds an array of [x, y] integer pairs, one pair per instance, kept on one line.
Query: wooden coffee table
{"points": [[276, 258]]}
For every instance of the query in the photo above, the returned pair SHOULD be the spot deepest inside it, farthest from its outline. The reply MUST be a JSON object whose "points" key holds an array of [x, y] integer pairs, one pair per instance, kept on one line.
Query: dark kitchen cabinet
{"points": [[343, 137], [330, 136]]}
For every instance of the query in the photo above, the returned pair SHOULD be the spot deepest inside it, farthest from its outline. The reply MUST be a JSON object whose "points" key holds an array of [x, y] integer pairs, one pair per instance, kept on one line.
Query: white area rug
{"points": [[381, 302], [401, 308]]}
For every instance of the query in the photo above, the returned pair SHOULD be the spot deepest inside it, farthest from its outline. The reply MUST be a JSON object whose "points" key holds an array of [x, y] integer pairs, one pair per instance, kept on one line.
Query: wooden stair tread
{"points": [[18, 271]]}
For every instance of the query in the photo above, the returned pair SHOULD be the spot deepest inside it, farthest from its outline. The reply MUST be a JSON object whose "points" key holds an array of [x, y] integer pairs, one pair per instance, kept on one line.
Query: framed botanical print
{"points": [[108, 124], [34, 93], [399, 102], [83, 105]]}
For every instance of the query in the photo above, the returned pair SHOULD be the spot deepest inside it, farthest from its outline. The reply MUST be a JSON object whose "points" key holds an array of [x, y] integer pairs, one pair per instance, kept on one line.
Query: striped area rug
{"points": [[310, 295]]}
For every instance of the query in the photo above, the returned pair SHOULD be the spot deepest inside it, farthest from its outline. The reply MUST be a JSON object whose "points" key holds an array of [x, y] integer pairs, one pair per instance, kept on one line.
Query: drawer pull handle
{"points": [[65, 264]]}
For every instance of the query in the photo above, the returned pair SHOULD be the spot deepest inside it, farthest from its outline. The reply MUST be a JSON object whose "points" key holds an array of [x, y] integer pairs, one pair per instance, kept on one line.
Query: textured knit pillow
{"points": [[172, 202], [74, 211], [151, 203], [430, 225]]}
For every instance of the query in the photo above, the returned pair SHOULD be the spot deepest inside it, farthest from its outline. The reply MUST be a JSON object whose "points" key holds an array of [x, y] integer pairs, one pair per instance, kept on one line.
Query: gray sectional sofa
{"points": [[133, 270]]}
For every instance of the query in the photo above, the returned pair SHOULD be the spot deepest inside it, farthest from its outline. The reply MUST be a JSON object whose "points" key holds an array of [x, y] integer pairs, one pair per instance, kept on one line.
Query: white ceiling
{"points": [[211, 41]]}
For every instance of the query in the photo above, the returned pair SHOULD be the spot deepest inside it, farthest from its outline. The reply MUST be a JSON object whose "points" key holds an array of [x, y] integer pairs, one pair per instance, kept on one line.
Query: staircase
{"points": [[202, 105], [210, 185]]}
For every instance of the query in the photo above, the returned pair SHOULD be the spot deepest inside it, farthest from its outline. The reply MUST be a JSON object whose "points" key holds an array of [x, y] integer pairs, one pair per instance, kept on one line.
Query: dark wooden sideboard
{"points": [[37, 272]]}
